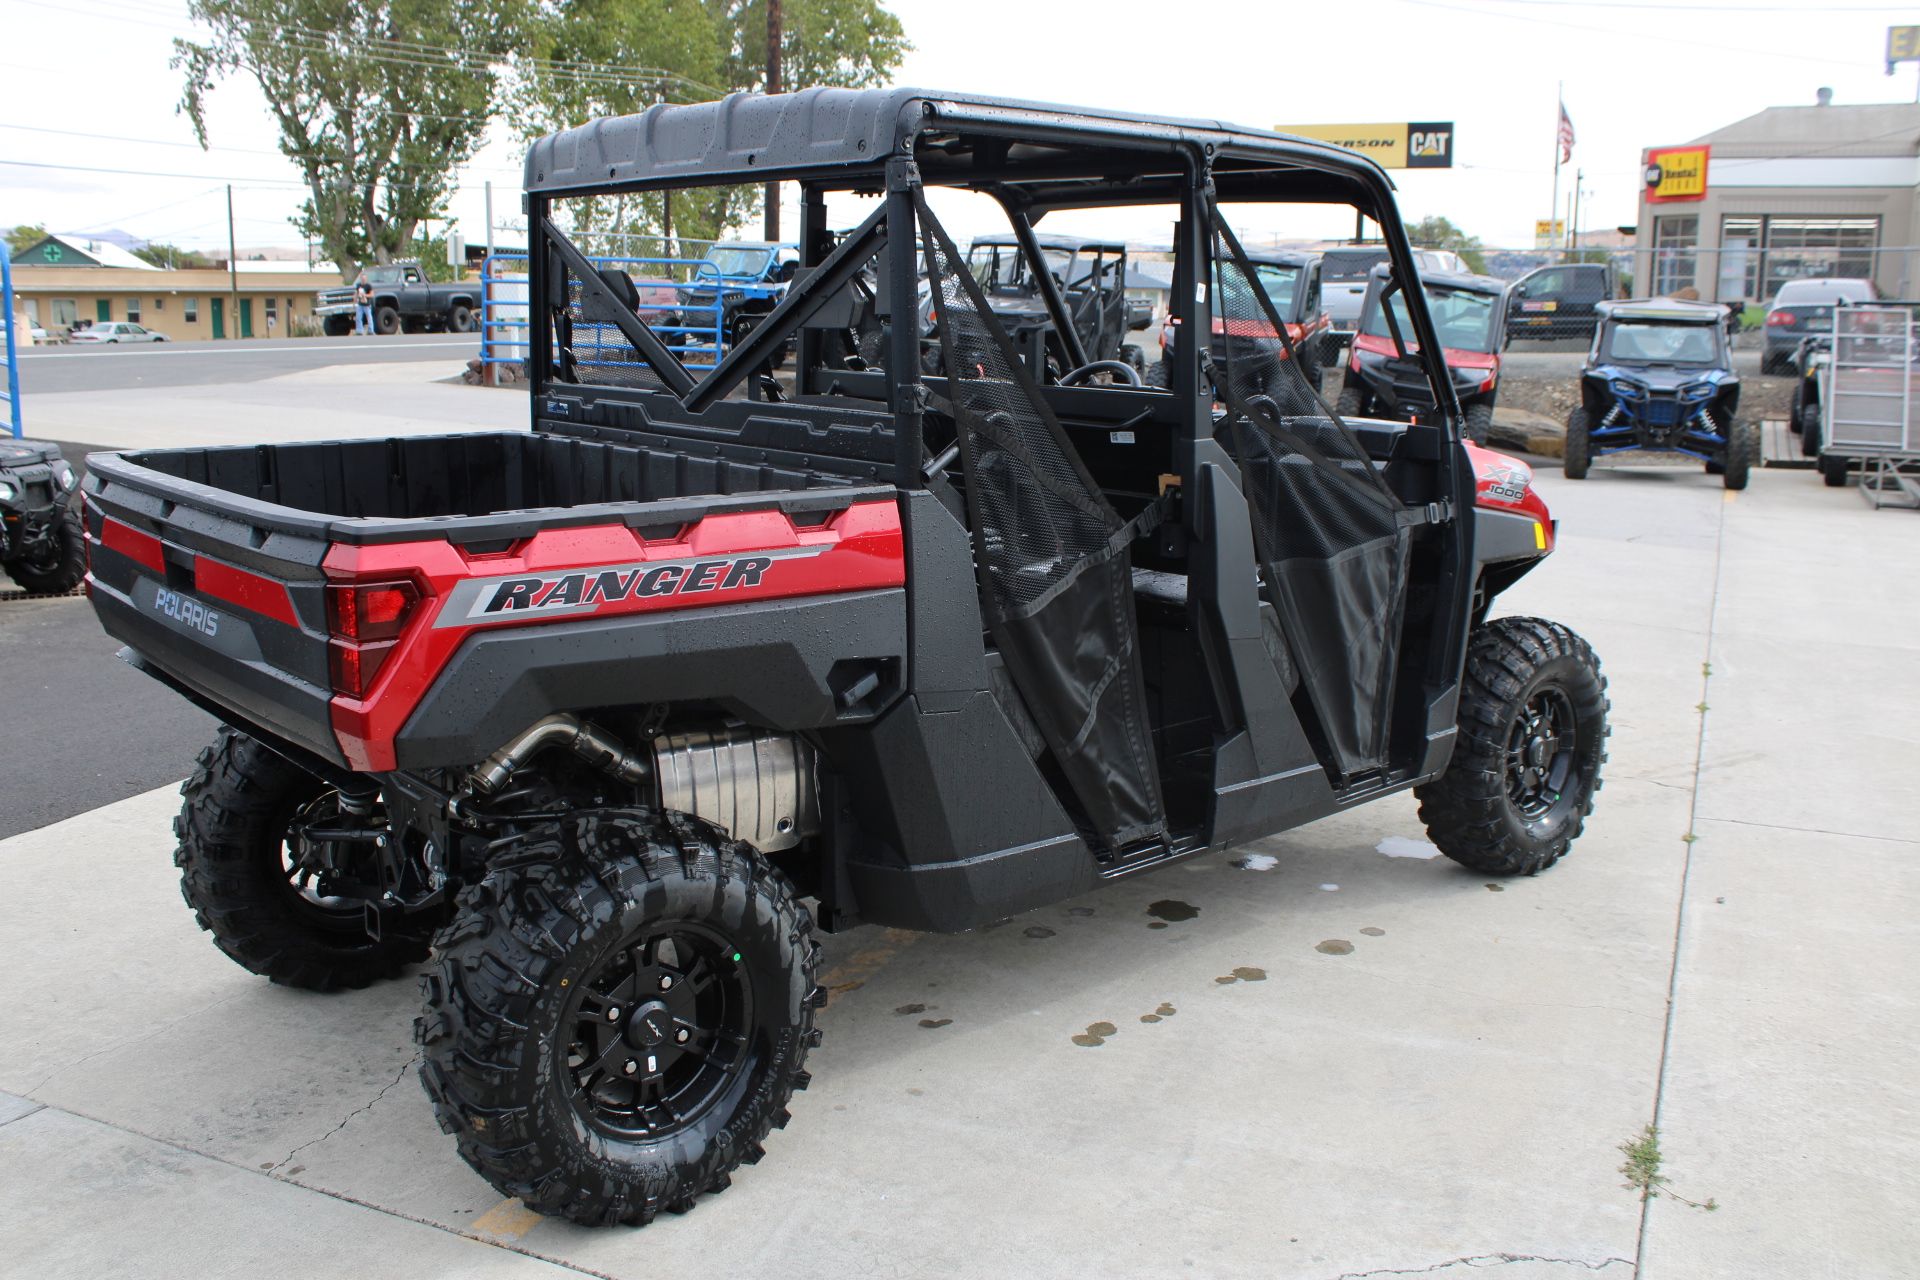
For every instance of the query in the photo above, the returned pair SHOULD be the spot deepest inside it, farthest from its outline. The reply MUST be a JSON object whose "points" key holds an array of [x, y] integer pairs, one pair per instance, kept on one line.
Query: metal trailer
{"points": [[1872, 402]]}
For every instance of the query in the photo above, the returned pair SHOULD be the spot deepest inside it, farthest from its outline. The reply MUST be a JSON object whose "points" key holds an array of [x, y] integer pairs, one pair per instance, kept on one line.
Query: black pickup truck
{"points": [[404, 301], [604, 720]]}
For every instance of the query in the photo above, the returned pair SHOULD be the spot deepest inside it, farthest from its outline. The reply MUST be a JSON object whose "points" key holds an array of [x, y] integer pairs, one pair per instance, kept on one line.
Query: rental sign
{"points": [[1421, 145], [1676, 173]]}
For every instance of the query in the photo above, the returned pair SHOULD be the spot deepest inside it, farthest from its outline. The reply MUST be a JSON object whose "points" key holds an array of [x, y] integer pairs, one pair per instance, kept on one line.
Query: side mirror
{"points": [[1519, 291]]}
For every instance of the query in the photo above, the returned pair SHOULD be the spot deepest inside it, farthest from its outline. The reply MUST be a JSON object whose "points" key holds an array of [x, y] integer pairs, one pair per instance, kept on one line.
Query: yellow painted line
{"points": [[508, 1220], [1731, 494], [867, 961]]}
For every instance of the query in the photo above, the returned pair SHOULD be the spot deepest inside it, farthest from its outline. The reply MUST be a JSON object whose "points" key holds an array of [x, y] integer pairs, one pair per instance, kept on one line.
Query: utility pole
{"points": [[774, 38], [233, 269]]}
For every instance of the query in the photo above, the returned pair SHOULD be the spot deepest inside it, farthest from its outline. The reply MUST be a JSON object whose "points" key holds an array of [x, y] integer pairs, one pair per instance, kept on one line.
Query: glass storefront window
{"points": [[1798, 248], [1739, 258]]}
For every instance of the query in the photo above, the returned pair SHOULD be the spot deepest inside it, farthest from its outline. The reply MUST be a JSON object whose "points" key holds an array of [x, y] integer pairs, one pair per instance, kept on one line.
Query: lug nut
{"points": [[613, 1015], [630, 1068], [680, 1036], [666, 982]]}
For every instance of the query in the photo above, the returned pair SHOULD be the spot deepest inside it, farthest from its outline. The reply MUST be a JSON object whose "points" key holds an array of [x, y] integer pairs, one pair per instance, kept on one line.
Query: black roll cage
{"points": [[1032, 163]]}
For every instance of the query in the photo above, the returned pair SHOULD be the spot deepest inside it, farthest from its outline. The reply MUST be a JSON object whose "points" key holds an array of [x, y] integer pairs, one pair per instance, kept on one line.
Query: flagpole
{"points": [[1553, 209]]}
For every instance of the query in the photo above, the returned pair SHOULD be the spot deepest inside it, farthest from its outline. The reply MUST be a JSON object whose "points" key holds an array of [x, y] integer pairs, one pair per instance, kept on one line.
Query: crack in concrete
{"points": [[1807, 831], [347, 1119], [1480, 1261]]}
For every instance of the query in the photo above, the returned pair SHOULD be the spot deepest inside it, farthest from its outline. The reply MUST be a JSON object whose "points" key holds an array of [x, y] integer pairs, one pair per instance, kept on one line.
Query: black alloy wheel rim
{"points": [[658, 1032], [1542, 750], [304, 869]]}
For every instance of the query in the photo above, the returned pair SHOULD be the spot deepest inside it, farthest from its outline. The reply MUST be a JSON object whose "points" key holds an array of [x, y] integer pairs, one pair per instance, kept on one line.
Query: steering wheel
{"points": [[1128, 374]]}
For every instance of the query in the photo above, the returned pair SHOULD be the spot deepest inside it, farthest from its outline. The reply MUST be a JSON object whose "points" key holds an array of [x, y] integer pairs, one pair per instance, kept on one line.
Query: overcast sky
{"points": [[88, 87]]}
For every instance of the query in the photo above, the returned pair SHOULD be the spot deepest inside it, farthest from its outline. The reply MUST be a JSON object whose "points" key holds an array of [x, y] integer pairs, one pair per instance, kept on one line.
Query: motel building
{"points": [[1819, 190], [64, 280]]}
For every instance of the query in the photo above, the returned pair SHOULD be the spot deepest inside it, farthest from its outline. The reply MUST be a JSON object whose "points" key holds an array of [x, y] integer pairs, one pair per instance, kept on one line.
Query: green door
{"points": [[246, 317], [103, 310], [219, 317]]}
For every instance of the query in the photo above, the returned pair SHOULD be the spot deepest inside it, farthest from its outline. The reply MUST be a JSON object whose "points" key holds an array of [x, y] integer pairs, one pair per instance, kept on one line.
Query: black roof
{"points": [[1664, 310], [820, 131], [1462, 280]]}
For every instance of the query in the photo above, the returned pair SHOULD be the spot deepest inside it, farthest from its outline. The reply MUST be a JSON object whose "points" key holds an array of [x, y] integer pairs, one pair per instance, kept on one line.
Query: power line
{"points": [[252, 151]]}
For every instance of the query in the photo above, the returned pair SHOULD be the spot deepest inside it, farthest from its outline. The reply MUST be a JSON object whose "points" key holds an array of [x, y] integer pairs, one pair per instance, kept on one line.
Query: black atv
{"points": [[41, 547], [603, 720], [1659, 379], [1384, 375], [1073, 315]]}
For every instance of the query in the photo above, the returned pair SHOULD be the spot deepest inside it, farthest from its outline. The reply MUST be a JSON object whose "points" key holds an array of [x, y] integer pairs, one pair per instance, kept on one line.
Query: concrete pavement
{"points": [[58, 369], [1445, 1092]]}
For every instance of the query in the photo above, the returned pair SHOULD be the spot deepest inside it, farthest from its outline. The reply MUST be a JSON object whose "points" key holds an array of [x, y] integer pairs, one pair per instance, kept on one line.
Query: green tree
{"points": [[166, 255], [378, 102], [24, 237], [1438, 233], [687, 51]]}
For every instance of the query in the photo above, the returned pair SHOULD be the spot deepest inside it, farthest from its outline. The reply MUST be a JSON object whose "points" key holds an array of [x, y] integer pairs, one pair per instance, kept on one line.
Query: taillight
{"points": [[365, 619], [1781, 318]]}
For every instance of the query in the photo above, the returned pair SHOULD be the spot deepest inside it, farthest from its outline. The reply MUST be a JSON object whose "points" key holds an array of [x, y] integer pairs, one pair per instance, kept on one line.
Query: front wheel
{"points": [[66, 563], [1351, 404], [1479, 423], [1574, 459], [1833, 470], [1743, 451], [1810, 430], [619, 1015], [1526, 764], [258, 873], [386, 321]]}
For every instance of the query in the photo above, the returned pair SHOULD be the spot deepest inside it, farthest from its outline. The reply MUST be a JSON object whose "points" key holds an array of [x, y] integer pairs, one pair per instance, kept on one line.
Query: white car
{"points": [[115, 331]]}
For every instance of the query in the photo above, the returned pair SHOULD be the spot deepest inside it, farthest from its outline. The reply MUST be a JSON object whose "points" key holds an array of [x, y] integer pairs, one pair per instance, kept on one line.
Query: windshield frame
{"points": [[1715, 338], [744, 253]]}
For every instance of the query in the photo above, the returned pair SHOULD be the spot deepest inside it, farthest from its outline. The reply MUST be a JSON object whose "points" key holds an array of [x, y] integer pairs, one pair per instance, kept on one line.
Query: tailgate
{"points": [[221, 594]]}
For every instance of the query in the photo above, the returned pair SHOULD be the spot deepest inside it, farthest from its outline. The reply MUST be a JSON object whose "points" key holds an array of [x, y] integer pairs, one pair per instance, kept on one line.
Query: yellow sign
{"points": [[1903, 45], [1676, 173], [1548, 234], [1419, 145]]}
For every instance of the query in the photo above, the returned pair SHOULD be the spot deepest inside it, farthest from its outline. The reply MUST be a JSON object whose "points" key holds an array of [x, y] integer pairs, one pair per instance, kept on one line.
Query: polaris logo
{"points": [[584, 591], [186, 611]]}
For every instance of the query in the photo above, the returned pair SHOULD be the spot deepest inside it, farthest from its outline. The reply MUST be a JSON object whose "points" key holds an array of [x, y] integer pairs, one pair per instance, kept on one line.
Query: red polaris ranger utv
{"points": [[602, 721]]}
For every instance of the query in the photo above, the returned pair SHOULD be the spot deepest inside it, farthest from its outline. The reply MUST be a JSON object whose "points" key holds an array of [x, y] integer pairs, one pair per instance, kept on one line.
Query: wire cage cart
{"points": [[1872, 402]]}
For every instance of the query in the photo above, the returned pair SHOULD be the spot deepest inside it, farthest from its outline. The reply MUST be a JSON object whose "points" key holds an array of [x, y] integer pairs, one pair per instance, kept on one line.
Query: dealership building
{"points": [[1820, 190]]}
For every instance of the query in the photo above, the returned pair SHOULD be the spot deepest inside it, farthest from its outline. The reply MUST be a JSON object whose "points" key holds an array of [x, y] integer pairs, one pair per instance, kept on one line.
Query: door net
{"points": [[1332, 538], [1052, 557]]}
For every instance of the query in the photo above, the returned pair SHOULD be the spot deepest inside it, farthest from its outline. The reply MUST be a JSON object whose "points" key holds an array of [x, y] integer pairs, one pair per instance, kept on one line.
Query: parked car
{"points": [[1384, 374], [115, 331], [1558, 301], [1344, 273], [1659, 378], [404, 301], [1803, 307], [602, 721], [1292, 280]]}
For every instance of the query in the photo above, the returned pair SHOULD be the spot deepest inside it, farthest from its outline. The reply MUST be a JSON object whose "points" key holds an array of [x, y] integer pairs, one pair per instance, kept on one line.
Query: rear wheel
{"points": [[66, 563], [1810, 430], [460, 318], [1833, 470], [1479, 423], [619, 1015], [1532, 738], [1743, 452], [258, 881], [1574, 459], [1159, 375]]}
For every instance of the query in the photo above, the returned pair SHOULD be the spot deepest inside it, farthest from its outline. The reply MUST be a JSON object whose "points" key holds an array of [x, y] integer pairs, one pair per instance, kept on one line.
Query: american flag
{"points": [[1566, 135]]}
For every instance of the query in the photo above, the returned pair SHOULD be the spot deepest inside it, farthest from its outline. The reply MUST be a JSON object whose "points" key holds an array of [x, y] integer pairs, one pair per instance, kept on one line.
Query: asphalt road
{"points": [[50, 370], [84, 729]]}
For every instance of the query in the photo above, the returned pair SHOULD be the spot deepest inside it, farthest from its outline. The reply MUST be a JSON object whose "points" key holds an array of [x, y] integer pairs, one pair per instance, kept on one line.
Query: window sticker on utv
{"points": [[559, 593]]}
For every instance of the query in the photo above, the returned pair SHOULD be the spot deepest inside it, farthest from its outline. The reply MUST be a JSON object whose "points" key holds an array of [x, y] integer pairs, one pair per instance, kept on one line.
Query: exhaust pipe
{"points": [[758, 787]]}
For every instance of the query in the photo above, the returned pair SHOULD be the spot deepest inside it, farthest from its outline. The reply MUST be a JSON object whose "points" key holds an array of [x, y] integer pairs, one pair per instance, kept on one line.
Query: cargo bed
{"points": [[213, 564]]}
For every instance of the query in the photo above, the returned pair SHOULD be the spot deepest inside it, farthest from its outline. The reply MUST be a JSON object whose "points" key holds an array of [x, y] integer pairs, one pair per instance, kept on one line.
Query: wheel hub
{"points": [[1540, 754], [650, 1025]]}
